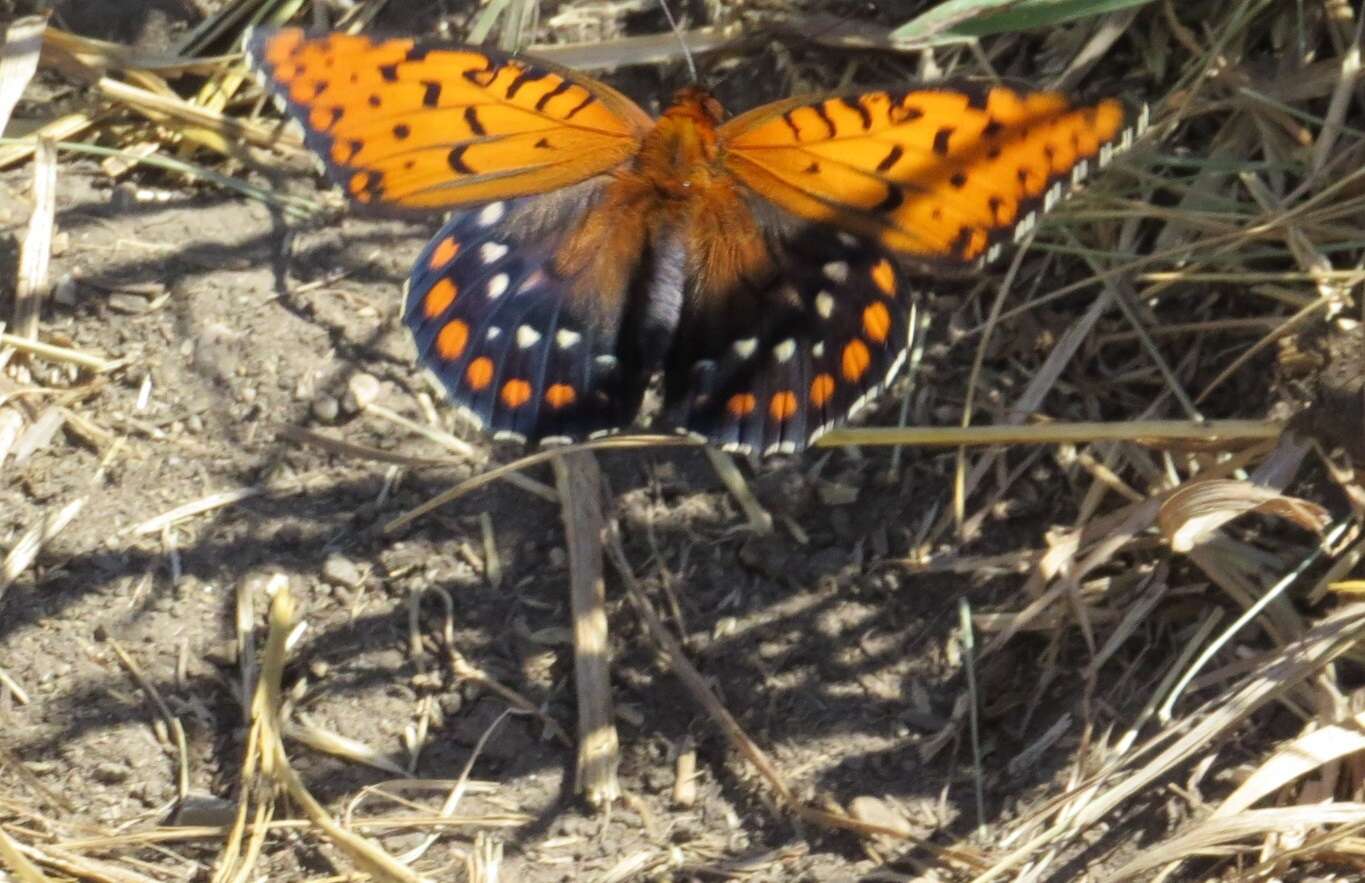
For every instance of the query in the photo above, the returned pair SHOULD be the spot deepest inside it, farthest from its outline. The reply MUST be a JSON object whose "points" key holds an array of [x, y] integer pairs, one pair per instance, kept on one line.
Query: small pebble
{"points": [[66, 292], [123, 197], [341, 571], [326, 409], [874, 811], [204, 810], [111, 773], [132, 304], [361, 391]]}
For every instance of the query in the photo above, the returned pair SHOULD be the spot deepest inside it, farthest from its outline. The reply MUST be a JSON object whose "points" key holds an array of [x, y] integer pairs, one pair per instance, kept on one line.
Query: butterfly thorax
{"points": [[679, 155]]}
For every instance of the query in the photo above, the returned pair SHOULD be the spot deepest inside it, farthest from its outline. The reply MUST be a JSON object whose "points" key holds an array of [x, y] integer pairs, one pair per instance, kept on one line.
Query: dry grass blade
{"points": [[18, 61], [326, 741], [13, 857], [580, 490], [547, 454], [1295, 759], [1214, 836], [760, 521], [266, 742], [1190, 515], [61, 354], [26, 548], [37, 251], [1333, 636], [210, 128], [1146, 431], [172, 721], [193, 508], [659, 48]]}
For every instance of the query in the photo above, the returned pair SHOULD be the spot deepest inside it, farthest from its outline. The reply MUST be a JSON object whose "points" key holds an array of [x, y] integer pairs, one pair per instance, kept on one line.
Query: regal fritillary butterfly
{"points": [[756, 262]]}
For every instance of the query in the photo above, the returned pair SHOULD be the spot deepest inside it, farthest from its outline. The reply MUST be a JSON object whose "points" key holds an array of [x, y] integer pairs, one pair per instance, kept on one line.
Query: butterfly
{"points": [[757, 262]]}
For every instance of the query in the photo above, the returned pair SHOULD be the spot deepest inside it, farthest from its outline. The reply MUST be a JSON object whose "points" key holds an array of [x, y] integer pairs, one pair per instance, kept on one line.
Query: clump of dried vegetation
{"points": [[1230, 242]]}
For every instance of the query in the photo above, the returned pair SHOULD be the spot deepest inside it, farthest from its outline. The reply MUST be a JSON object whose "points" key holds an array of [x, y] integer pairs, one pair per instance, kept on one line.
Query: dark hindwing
{"points": [[771, 365], [519, 349]]}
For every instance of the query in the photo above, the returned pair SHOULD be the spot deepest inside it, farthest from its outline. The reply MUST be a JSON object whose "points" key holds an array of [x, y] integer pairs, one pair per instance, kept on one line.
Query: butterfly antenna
{"points": [[682, 40]]}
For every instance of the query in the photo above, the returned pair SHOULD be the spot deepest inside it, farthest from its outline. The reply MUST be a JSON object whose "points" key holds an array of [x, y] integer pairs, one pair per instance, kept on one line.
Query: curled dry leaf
{"points": [[1294, 760], [1193, 512]]}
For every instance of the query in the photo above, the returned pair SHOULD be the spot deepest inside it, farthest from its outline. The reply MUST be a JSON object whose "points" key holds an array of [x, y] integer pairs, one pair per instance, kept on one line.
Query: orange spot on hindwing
{"points": [[452, 339], [443, 253], [854, 360], [876, 322], [479, 373], [741, 404], [782, 406], [516, 393], [821, 389], [560, 395], [439, 298], [884, 277]]}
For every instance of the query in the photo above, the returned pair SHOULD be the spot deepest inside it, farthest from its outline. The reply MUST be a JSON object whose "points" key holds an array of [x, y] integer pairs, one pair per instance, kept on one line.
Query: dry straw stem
{"points": [[580, 489], [18, 61], [1142, 431], [1281, 671], [61, 354], [36, 255], [461, 448], [760, 522], [171, 721], [13, 855], [267, 764]]}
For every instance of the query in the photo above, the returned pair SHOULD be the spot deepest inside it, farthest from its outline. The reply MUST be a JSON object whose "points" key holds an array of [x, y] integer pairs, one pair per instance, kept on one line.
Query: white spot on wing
{"points": [[1078, 174], [818, 350], [1025, 225], [527, 336], [491, 251], [566, 338], [746, 347], [824, 304], [498, 284], [493, 333], [836, 271], [784, 350], [492, 213], [605, 362]]}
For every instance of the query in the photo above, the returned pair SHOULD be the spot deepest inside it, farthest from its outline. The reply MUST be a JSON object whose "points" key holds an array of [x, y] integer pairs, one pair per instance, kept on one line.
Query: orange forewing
{"points": [[402, 124], [939, 174]]}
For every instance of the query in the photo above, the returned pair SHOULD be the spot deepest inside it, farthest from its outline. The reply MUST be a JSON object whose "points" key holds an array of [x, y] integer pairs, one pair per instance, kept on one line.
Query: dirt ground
{"points": [[832, 640]]}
